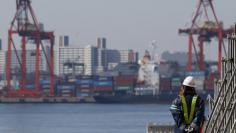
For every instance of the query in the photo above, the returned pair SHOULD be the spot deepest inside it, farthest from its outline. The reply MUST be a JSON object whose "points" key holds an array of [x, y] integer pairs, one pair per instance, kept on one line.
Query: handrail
{"points": [[224, 113], [231, 113], [217, 99], [217, 115]]}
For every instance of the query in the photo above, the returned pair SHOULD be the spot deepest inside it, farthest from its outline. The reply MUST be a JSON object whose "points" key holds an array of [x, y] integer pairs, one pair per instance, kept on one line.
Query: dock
{"points": [[47, 100]]}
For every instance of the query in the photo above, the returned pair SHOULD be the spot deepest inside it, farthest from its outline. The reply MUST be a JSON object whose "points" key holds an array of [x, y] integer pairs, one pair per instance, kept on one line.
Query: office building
{"points": [[101, 43], [64, 41], [30, 61], [70, 60], [2, 62], [90, 60]]}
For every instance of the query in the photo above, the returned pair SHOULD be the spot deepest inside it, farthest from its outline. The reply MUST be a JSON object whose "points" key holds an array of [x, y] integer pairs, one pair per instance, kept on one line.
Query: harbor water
{"points": [[80, 118]]}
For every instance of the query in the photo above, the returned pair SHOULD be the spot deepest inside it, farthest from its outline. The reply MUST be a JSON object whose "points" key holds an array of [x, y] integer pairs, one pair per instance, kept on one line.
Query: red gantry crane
{"points": [[205, 24], [28, 29]]}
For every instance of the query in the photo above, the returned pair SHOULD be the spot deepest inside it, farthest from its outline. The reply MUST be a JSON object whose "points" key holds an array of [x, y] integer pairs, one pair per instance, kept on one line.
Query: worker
{"points": [[188, 108]]}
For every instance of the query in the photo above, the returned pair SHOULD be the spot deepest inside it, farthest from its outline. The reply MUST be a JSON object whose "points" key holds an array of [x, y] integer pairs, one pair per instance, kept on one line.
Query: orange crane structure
{"points": [[208, 28], [28, 29]]}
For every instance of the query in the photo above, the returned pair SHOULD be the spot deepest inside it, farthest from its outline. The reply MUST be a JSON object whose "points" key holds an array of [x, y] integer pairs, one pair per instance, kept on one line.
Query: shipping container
{"points": [[46, 86], [60, 87], [125, 77], [84, 77], [84, 86], [46, 90], [84, 90], [103, 83], [124, 88], [195, 73], [66, 93], [176, 83], [103, 78], [165, 84], [144, 91], [124, 80], [84, 81], [103, 93], [103, 88], [83, 94], [42, 82], [30, 86]]}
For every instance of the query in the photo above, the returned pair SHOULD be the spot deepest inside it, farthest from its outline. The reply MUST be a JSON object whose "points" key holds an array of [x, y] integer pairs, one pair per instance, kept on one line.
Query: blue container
{"points": [[82, 94], [195, 73], [64, 87], [66, 40], [84, 81], [30, 86], [103, 83], [84, 77], [103, 78], [44, 81]]}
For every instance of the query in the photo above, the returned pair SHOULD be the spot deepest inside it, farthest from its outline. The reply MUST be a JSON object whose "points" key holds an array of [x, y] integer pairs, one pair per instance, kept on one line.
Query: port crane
{"points": [[28, 29], [205, 25]]}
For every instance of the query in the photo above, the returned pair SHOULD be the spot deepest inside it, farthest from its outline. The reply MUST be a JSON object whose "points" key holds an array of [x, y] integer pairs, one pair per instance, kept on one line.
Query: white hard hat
{"points": [[189, 81]]}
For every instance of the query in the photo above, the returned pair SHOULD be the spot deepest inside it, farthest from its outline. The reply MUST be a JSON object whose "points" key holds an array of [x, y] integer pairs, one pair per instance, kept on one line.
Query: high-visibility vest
{"points": [[188, 117]]}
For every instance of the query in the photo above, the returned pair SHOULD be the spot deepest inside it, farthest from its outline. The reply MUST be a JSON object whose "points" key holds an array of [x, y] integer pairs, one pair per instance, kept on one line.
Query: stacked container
{"points": [[165, 84], [45, 87], [103, 85], [84, 85], [30, 86], [176, 83], [65, 90], [124, 84]]}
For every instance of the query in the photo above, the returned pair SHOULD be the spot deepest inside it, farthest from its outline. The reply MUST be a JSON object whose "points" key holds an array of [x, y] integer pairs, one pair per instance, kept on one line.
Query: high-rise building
{"points": [[90, 59], [0, 44], [71, 60], [101, 43], [64, 41], [113, 56], [2, 62], [121, 56], [102, 55], [127, 56]]}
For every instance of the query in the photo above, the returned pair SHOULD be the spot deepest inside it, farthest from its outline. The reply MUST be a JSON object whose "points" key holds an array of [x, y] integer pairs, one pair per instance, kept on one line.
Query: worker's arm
{"points": [[199, 116], [175, 110]]}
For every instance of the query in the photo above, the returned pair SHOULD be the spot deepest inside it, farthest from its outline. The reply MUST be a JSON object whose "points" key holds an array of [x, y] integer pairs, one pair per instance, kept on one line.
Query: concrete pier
{"points": [[159, 128]]}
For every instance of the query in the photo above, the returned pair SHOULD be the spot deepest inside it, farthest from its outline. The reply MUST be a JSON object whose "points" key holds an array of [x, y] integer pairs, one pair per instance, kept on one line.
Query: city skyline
{"points": [[126, 24]]}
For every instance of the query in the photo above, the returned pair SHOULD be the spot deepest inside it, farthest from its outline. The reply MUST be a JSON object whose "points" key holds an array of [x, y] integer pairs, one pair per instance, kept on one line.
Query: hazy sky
{"points": [[127, 24]]}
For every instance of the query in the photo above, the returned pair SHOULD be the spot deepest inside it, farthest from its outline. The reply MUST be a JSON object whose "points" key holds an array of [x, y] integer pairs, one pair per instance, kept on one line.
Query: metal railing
{"points": [[222, 109]]}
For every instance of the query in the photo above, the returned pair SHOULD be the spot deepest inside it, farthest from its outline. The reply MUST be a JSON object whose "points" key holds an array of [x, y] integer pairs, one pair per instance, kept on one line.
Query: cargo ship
{"points": [[149, 86]]}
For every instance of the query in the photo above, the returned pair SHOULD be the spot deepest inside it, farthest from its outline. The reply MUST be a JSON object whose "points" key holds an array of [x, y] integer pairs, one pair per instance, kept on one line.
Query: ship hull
{"points": [[127, 99], [143, 99]]}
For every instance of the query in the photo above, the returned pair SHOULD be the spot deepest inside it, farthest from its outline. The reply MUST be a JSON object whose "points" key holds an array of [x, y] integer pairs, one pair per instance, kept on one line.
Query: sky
{"points": [[127, 24]]}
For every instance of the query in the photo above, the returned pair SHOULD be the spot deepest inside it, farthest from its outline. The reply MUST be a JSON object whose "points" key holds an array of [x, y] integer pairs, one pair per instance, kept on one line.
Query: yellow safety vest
{"points": [[188, 117]]}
